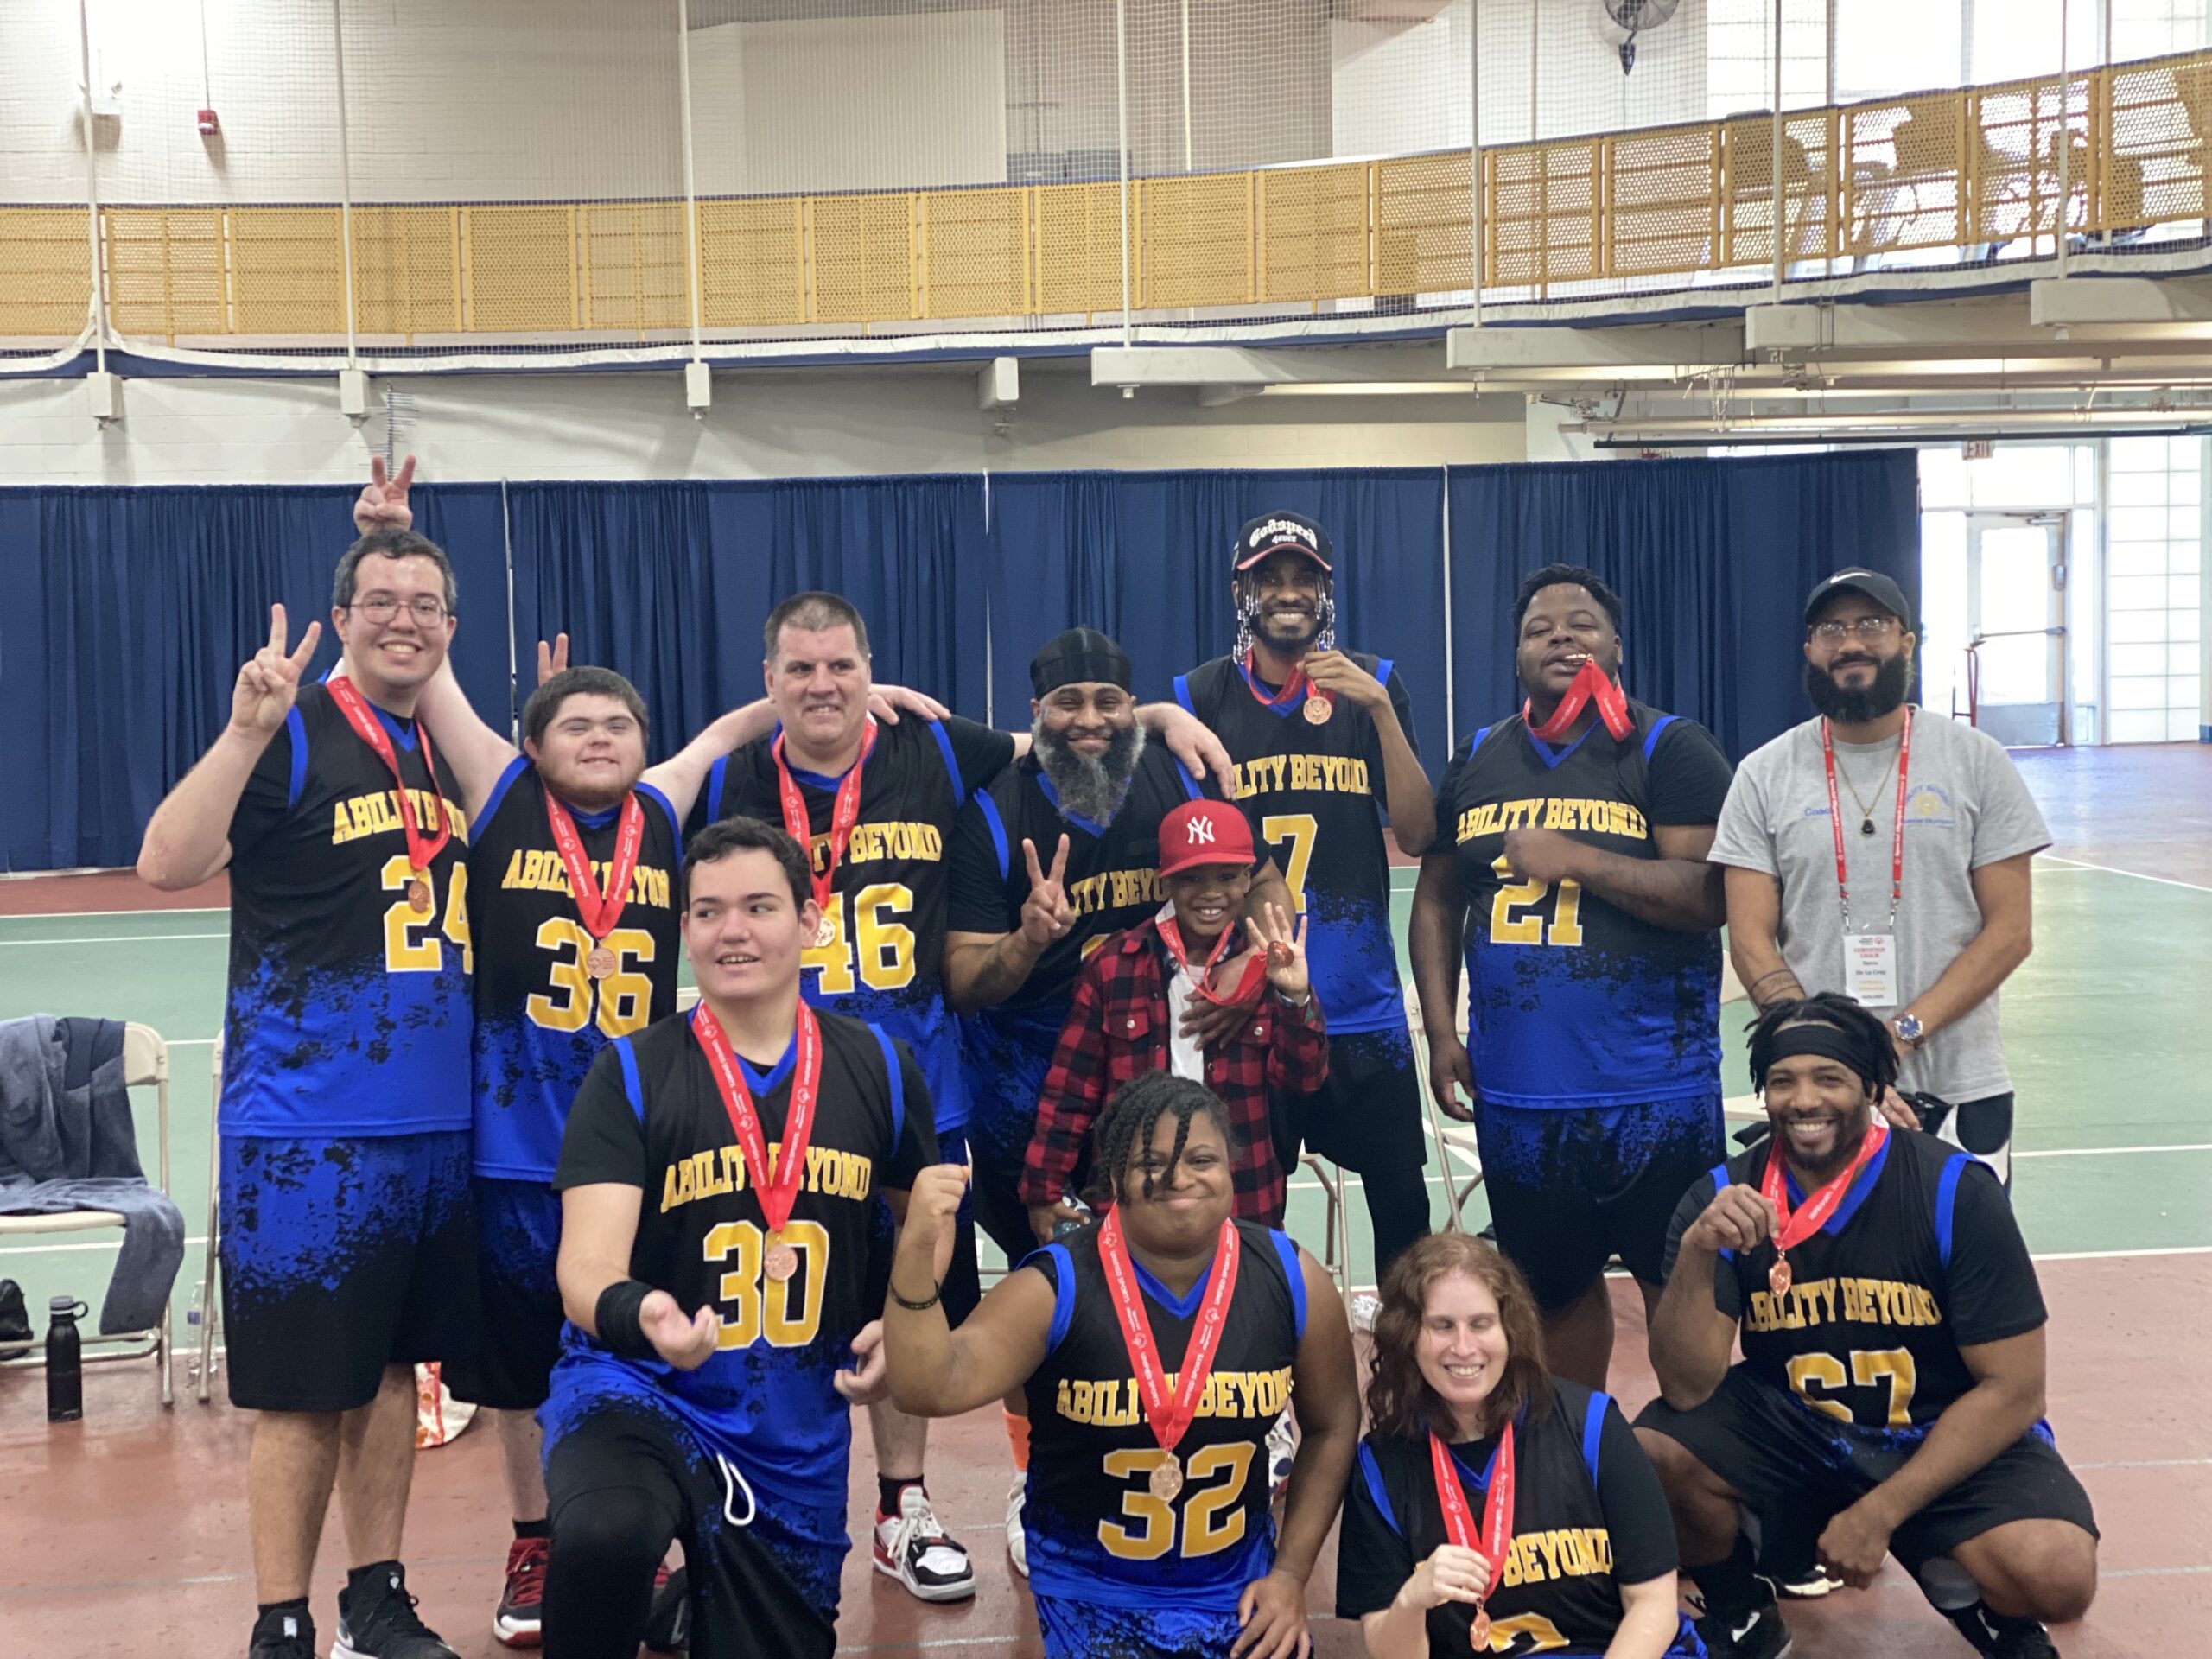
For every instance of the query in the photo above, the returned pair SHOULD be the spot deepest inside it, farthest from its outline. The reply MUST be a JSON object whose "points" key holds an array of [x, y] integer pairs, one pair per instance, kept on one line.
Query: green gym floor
{"points": [[2109, 1033]]}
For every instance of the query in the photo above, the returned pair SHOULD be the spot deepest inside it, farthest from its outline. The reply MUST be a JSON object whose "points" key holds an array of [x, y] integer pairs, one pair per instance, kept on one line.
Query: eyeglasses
{"points": [[382, 607], [1869, 629]]}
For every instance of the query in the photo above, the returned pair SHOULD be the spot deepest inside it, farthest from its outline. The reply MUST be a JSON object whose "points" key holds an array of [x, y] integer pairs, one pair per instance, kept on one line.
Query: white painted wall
{"points": [[768, 425]]}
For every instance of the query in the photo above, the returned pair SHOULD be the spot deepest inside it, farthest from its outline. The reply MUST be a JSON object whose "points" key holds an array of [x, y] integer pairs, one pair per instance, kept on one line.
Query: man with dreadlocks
{"points": [[1893, 1370], [1156, 1346], [1323, 741]]}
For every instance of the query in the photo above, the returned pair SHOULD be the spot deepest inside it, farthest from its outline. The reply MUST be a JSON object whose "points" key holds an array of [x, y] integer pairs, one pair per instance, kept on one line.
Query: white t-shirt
{"points": [[1965, 807]]}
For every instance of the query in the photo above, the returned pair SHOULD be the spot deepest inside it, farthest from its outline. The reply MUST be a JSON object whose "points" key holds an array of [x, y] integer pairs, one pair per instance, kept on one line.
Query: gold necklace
{"points": [[1865, 813]]}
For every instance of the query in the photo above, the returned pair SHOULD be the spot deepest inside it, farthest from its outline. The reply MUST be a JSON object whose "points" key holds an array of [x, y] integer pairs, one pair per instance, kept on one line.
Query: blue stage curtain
{"points": [[1145, 557], [1713, 560], [129, 612]]}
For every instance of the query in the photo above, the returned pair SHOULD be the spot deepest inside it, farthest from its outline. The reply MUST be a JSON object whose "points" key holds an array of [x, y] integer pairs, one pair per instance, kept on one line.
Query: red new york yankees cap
{"points": [[1204, 832]]}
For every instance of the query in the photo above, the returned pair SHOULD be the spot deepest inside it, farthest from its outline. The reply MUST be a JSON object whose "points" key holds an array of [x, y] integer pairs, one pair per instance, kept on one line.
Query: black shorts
{"points": [[624, 1483], [963, 1284], [517, 1242], [341, 1258], [1570, 1188], [1366, 1114], [1785, 1459]]}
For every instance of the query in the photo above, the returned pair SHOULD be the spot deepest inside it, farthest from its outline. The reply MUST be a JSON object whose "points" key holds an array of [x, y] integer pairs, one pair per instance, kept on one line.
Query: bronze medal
{"points": [[825, 932], [1167, 1479], [1318, 708], [1478, 1633], [418, 896], [782, 1263], [1777, 1277], [600, 962]]}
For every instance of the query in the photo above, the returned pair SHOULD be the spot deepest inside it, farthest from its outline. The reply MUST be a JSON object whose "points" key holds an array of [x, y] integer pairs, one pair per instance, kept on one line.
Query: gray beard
{"points": [[1089, 788]]}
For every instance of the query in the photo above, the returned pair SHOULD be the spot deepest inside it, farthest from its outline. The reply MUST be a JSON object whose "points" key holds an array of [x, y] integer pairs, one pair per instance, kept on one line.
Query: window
{"points": [[2153, 617]]}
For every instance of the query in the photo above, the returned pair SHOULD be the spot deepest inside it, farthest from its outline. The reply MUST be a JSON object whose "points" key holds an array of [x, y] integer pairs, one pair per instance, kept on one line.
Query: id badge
{"points": [[1870, 968]]}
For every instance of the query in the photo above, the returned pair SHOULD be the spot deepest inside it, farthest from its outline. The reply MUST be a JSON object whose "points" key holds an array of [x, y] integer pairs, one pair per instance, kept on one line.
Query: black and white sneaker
{"points": [[278, 1634], [1804, 1584], [2001, 1637], [913, 1547], [381, 1622], [1749, 1633]]}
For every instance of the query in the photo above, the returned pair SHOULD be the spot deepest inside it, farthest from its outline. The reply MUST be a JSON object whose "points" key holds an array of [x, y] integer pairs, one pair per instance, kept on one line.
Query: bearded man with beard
{"points": [[1060, 849], [1934, 831]]}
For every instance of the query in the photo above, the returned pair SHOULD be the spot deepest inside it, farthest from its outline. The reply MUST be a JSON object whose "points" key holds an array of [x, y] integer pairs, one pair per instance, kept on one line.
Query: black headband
{"points": [[1829, 1042], [1080, 655]]}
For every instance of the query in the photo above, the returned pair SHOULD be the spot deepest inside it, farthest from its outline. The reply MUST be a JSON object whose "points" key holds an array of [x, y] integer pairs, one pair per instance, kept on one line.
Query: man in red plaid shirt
{"points": [[1126, 1017]]}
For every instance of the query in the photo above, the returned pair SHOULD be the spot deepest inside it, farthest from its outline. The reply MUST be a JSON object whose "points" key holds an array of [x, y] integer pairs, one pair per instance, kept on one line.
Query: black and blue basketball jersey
{"points": [[649, 1116], [1112, 881], [1572, 1001], [884, 964], [1095, 1532], [541, 1019], [348, 1010], [1316, 798], [1921, 1258], [1588, 1515]]}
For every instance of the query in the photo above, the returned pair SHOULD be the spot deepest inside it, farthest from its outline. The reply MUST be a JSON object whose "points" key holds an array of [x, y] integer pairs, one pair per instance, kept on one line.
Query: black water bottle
{"points": [[65, 1361]]}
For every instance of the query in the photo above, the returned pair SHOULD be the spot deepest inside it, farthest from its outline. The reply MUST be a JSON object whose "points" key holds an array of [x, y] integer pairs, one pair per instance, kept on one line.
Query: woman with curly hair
{"points": [[1494, 1506]]}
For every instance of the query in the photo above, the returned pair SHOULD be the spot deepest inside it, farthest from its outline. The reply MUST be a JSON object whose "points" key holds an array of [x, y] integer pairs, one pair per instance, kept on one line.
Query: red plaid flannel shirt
{"points": [[1118, 1028]]}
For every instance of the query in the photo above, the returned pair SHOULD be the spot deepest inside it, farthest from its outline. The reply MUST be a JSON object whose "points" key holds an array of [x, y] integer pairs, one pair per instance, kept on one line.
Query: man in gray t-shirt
{"points": [[1961, 913]]}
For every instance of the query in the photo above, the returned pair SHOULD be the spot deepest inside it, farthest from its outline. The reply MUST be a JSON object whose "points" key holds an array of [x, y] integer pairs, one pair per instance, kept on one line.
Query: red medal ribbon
{"points": [[1291, 688], [1172, 936], [1497, 1503], [1167, 1414], [1813, 1214], [843, 814], [1896, 832], [598, 912], [776, 1183], [363, 720], [1591, 683]]}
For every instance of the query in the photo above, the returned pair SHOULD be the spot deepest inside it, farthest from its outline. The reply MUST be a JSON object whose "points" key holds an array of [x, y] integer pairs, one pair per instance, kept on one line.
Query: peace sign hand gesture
{"points": [[1046, 914], [382, 503], [1284, 945], [269, 681]]}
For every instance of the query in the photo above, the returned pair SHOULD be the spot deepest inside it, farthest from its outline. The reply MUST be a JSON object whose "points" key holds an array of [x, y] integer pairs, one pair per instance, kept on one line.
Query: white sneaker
{"points": [[1364, 1306], [1017, 1536], [913, 1548], [1282, 1450]]}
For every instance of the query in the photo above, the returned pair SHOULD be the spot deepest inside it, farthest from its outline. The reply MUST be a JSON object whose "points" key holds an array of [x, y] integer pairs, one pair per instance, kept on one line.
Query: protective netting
{"points": [[517, 175]]}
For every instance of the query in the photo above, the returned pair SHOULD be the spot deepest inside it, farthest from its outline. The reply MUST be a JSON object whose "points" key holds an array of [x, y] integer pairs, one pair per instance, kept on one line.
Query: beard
{"points": [[1847, 706], [1089, 788], [1289, 633]]}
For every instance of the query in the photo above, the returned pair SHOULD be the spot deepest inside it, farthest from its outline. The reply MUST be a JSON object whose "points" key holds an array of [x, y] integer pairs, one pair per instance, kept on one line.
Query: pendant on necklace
{"points": [[1865, 826]]}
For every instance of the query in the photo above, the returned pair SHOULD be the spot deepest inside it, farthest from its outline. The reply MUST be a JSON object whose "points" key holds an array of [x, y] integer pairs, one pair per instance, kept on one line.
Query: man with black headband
{"points": [[1574, 878], [1058, 851], [1323, 741], [1893, 1370], [1932, 832]]}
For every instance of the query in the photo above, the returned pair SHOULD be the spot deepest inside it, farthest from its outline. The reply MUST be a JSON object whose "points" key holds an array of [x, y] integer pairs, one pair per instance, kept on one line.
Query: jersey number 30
{"points": [[788, 1311], [1206, 1530]]}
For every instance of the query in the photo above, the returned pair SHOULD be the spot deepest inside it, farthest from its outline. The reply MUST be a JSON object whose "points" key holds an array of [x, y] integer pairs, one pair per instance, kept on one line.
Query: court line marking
{"points": [[118, 938], [2148, 1462], [143, 909], [65, 1250], [2110, 869], [2107, 1152], [2115, 1255]]}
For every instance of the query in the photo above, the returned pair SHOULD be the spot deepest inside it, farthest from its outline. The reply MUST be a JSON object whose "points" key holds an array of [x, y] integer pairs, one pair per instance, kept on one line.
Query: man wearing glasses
{"points": [[349, 1247], [1883, 851]]}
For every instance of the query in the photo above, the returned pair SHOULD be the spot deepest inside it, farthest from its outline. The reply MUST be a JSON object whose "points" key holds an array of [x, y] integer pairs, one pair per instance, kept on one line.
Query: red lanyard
{"points": [[1497, 1512], [420, 849], [776, 1183], [599, 912], [843, 814], [1292, 687], [1172, 936], [1591, 682], [1168, 1414], [1812, 1215], [1896, 834]]}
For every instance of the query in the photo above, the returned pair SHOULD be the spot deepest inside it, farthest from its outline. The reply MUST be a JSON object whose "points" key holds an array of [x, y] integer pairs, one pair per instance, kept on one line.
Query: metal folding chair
{"points": [[201, 1367], [1336, 1250], [145, 1064]]}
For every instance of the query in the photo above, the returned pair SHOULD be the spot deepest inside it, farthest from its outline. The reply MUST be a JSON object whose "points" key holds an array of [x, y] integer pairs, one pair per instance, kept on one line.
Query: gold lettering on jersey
{"points": [[872, 842], [1328, 774], [1848, 1301], [1560, 1552], [1114, 1402], [542, 871], [831, 1172], [1565, 812], [376, 812], [1115, 889]]}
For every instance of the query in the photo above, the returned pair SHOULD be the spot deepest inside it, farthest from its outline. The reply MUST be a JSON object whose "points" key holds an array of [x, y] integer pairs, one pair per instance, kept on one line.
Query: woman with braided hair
{"points": [[1157, 1346]]}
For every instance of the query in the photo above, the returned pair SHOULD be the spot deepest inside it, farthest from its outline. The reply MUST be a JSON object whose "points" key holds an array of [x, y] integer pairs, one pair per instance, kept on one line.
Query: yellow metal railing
{"points": [[1965, 169]]}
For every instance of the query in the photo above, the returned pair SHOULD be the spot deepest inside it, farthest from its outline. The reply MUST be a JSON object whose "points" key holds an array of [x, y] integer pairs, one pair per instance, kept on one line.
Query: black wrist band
{"points": [[616, 1316], [922, 1306]]}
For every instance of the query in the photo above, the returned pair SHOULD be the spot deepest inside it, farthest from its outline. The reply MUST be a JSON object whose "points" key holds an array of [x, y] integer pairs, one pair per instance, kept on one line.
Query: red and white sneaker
{"points": [[520, 1622], [915, 1549]]}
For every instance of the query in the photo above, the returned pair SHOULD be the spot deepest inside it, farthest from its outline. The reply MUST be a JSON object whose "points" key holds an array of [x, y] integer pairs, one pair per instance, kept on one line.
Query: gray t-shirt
{"points": [[1965, 807]]}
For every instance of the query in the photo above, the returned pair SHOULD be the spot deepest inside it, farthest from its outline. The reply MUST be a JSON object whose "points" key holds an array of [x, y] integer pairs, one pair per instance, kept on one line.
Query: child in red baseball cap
{"points": [[1126, 1017]]}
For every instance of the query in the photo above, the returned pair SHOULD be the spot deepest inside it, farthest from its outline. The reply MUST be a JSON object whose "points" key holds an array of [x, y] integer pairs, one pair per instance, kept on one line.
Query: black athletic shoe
{"points": [[2000, 1637], [281, 1635], [381, 1624], [668, 1628], [1753, 1633]]}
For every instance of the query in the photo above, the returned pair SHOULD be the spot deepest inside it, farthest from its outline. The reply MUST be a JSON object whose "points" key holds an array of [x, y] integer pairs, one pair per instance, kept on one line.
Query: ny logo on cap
{"points": [[1201, 832]]}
